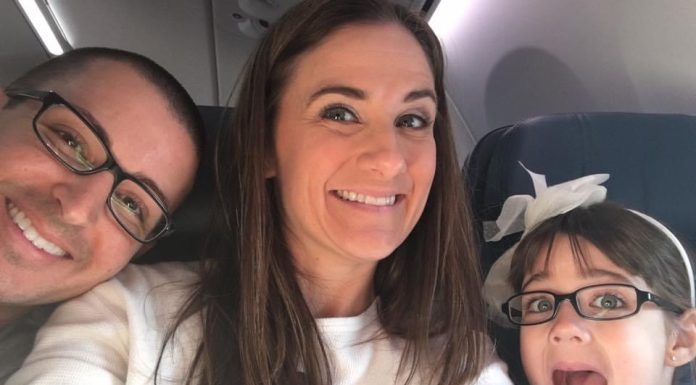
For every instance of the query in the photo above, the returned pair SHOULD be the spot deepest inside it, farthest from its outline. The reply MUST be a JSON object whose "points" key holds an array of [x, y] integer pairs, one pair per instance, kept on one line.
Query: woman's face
{"points": [[570, 349], [355, 153]]}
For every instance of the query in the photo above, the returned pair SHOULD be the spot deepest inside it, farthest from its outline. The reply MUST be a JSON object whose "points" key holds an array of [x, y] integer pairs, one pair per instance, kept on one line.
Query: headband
{"points": [[521, 213]]}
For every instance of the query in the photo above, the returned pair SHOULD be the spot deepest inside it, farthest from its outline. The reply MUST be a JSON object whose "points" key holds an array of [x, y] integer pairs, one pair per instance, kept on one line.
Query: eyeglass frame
{"points": [[50, 98], [641, 298]]}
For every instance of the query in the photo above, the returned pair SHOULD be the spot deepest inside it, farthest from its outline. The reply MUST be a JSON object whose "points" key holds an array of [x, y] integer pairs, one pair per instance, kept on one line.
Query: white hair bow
{"points": [[521, 213]]}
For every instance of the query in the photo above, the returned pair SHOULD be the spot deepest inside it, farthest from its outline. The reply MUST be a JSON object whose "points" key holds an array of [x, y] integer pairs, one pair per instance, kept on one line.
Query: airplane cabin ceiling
{"points": [[204, 43], [19, 46]]}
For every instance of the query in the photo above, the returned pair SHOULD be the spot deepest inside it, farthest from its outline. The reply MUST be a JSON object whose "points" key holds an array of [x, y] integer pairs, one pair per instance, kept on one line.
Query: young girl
{"points": [[604, 294]]}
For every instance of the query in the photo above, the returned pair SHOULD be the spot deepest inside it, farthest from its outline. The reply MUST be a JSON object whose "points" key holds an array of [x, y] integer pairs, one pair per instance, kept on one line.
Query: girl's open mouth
{"points": [[578, 377]]}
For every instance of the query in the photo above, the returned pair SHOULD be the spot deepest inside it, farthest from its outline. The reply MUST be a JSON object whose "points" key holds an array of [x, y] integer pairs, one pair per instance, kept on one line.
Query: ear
{"points": [[681, 347]]}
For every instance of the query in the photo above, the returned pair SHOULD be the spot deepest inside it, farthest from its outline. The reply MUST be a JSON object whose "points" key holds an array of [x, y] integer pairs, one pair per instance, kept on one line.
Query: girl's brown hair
{"points": [[628, 241]]}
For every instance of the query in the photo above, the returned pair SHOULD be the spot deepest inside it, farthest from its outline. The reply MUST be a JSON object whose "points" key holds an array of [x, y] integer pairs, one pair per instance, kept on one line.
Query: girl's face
{"points": [[571, 350], [354, 145]]}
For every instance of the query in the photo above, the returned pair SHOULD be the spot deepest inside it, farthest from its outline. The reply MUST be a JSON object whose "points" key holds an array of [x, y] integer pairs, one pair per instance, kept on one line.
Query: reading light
{"points": [[448, 16], [41, 26]]}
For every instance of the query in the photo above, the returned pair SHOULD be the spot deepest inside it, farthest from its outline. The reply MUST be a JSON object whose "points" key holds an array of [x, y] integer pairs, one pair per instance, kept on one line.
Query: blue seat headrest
{"points": [[651, 159]]}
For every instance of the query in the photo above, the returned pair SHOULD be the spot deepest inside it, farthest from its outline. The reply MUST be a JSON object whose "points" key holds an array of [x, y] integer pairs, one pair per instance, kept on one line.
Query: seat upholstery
{"points": [[651, 159]]}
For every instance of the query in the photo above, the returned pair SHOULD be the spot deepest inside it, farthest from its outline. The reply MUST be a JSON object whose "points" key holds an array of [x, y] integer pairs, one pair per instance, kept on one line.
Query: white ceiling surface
{"points": [[204, 43], [508, 60], [176, 34]]}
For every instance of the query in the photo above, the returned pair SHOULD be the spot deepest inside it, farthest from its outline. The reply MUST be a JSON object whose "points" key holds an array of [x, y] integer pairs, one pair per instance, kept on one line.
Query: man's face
{"points": [[69, 240]]}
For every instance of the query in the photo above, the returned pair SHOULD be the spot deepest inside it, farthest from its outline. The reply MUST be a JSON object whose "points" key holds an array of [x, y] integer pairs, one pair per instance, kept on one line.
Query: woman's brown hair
{"points": [[257, 327]]}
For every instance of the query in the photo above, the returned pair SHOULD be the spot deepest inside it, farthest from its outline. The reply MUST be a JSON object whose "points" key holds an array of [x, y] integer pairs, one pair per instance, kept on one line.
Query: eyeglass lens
{"points": [[598, 302], [70, 138], [76, 144]]}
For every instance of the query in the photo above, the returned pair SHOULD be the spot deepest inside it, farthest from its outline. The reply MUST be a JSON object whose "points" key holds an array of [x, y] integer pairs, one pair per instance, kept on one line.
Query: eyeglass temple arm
{"points": [[511, 311], [663, 303], [26, 93]]}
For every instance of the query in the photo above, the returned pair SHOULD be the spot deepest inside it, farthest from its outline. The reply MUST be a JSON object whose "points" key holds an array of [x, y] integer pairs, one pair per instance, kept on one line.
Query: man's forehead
{"points": [[101, 77], [136, 122]]}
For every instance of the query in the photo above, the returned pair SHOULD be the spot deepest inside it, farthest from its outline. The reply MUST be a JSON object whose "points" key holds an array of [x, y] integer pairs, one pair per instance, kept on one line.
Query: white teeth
{"points": [[366, 199], [21, 220]]}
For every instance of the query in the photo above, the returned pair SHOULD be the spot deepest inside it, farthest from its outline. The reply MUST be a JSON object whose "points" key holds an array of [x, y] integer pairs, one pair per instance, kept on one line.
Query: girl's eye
{"points": [[411, 121], [607, 302], [339, 114], [540, 305]]}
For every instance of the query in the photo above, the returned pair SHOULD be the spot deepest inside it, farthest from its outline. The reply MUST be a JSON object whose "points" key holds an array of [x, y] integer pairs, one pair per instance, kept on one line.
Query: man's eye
{"points": [[72, 146], [69, 140], [131, 205], [339, 114], [411, 121], [608, 302]]}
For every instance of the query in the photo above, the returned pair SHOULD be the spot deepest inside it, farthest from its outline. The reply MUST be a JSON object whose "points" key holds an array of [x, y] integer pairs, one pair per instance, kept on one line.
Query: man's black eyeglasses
{"points": [[597, 302], [74, 142]]}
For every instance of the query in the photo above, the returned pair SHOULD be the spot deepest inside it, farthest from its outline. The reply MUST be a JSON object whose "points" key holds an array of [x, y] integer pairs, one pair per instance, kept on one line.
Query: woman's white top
{"points": [[114, 333]]}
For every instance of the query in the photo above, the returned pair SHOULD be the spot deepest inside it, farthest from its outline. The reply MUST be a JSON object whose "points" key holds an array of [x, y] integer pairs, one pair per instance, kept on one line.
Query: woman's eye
{"points": [[411, 121], [339, 114], [608, 302]]}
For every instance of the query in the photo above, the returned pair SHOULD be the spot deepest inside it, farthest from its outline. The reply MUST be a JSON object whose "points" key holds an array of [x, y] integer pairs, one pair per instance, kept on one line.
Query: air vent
{"points": [[254, 16]]}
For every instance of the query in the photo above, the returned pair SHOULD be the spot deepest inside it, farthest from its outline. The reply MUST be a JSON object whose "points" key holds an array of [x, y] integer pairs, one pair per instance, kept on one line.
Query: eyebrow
{"points": [[101, 132], [586, 273], [152, 185], [420, 94], [350, 92], [104, 136], [359, 94]]}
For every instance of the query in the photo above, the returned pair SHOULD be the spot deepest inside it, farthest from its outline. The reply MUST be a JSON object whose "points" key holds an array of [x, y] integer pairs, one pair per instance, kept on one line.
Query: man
{"points": [[97, 147]]}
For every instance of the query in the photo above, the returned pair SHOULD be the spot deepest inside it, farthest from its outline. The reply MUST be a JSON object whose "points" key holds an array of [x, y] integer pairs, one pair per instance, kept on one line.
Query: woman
{"points": [[346, 255], [340, 188]]}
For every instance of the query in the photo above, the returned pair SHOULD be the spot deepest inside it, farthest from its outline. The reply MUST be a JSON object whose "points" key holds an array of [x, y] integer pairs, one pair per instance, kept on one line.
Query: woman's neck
{"points": [[337, 291]]}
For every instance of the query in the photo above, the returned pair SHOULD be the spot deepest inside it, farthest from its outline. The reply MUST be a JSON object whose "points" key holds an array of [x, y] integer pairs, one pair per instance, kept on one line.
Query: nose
{"points": [[568, 326], [383, 153], [82, 198]]}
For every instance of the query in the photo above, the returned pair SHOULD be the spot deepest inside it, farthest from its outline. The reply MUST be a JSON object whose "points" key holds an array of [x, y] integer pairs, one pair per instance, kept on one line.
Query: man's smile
{"points": [[30, 232]]}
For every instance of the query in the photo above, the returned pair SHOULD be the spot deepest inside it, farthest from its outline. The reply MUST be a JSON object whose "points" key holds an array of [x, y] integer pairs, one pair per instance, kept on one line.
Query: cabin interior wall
{"points": [[509, 60], [176, 34], [20, 49]]}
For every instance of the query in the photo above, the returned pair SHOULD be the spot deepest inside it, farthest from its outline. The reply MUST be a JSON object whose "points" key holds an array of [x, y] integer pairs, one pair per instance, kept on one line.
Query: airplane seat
{"points": [[650, 158], [192, 218]]}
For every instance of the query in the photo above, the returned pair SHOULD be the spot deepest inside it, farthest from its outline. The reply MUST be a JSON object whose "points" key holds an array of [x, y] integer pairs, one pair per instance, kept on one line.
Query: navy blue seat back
{"points": [[651, 159]]}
